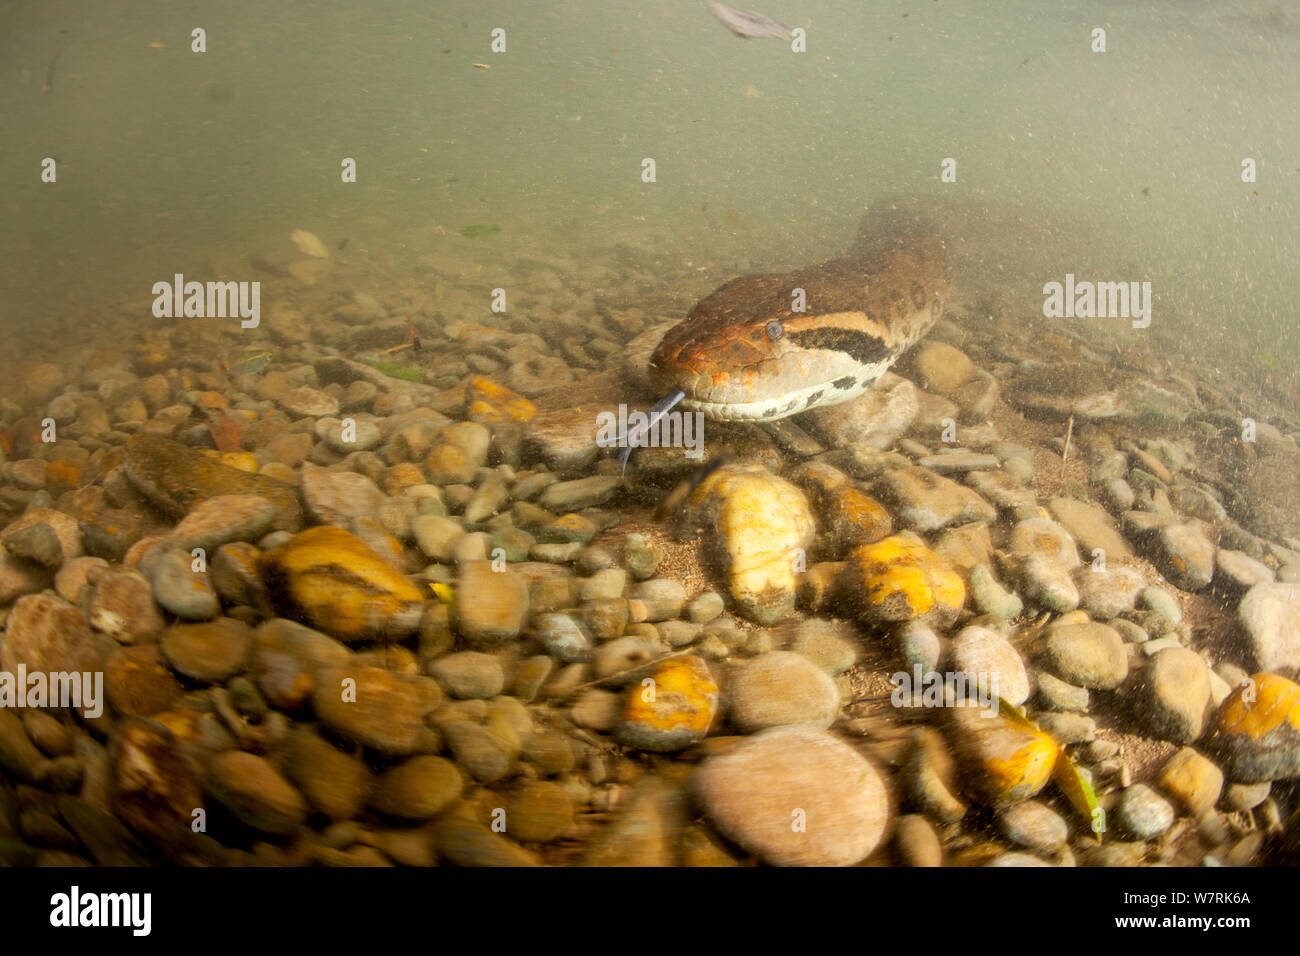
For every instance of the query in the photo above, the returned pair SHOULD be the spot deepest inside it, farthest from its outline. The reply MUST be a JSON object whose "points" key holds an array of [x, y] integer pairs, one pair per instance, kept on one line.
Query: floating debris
{"points": [[393, 370], [309, 244], [246, 363], [748, 25], [481, 230], [48, 86]]}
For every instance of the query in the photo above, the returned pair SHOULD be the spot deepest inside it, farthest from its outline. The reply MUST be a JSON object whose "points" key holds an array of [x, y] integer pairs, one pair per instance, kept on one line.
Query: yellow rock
{"points": [[671, 709], [817, 586], [898, 579], [848, 516], [490, 402], [1006, 761], [243, 460], [1256, 732], [402, 476], [334, 582], [761, 530]]}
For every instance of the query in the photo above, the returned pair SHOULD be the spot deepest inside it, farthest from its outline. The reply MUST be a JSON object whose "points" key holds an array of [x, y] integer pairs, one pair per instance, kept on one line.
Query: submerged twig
{"points": [[1065, 451], [630, 670]]}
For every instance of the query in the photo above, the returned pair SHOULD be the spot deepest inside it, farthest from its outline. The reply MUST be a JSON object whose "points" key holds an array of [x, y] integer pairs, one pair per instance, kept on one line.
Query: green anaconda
{"points": [[744, 353]]}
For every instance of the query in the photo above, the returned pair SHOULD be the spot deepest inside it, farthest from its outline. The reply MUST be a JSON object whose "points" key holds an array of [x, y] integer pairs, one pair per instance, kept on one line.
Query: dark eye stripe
{"points": [[865, 348]]}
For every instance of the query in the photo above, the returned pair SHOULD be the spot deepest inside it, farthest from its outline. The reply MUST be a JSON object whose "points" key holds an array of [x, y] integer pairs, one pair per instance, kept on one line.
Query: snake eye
{"points": [[775, 330]]}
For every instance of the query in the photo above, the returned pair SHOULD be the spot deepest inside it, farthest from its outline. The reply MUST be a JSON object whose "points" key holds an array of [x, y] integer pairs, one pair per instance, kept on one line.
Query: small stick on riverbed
{"points": [[48, 86], [1065, 451], [630, 670]]}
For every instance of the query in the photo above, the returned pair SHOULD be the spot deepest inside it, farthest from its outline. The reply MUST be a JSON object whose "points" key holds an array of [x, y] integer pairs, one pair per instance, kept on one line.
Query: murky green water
{"points": [[172, 161]]}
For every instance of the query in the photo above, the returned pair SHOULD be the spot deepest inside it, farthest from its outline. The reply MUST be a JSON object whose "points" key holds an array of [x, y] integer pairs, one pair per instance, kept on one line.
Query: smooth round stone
{"points": [[37, 543], [606, 619], [469, 674], [335, 782], [539, 813], [1143, 813], [417, 789], [369, 706], [780, 689], [307, 402], [704, 607], [478, 750], [989, 660], [1099, 750], [674, 710], [372, 600], [235, 574], [123, 607], [1256, 732], [597, 709], [1193, 781], [556, 553], [1034, 826], [1177, 695], [1110, 593], [1185, 554], [754, 790], [606, 585], [613, 660], [831, 645], [564, 638], [919, 646], [437, 536], [1068, 728], [349, 434], [1245, 796], [180, 589], [463, 841], [1056, 694], [663, 598], [1117, 495], [1160, 602], [333, 495], [1131, 633], [1088, 655], [595, 559], [1005, 761], [676, 634], [1116, 854], [917, 842], [397, 516], [75, 574], [1241, 570], [570, 528], [254, 792], [549, 751], [491, 606], [991, 597], [211, 652], [529, 677], [223, 519], [1270, 614], [1048, 555], [137, 681], [639, 557]]}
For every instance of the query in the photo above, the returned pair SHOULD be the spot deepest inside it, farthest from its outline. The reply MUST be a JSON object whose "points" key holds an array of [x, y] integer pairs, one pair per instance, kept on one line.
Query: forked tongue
{"points": [[657, 411]]}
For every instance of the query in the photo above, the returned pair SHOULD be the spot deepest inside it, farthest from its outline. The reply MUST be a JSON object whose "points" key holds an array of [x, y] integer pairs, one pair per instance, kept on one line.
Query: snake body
{"points": [[744, 353]]}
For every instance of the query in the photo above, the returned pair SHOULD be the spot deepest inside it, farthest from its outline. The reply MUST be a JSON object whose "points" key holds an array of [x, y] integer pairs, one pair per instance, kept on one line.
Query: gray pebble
{"points": [[1143, 813]]}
